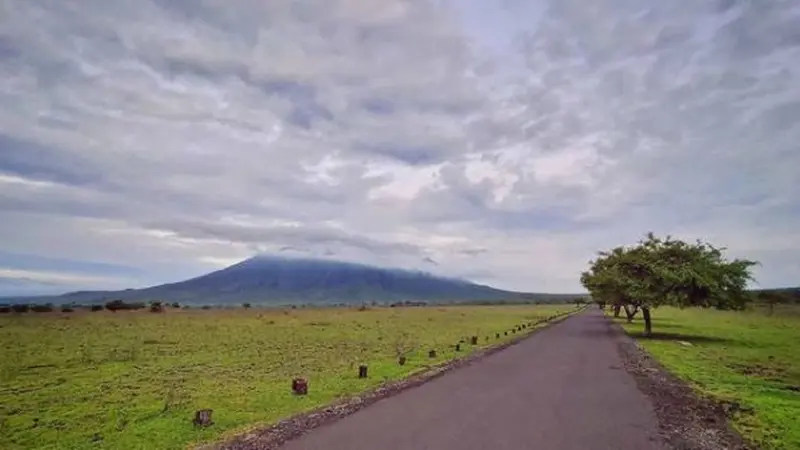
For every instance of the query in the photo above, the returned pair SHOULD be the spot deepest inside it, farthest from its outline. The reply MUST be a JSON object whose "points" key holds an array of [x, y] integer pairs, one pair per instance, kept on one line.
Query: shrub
{"points": [[175, 305], [96, 308], [117, 305], [5, 309], [206, 307], [246, 305], [156, 307], [20, 308], [42, 308], [67, 309]]}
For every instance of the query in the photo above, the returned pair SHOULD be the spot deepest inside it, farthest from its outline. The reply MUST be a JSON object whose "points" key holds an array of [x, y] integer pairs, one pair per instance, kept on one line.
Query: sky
{"points": [[505, 142]]}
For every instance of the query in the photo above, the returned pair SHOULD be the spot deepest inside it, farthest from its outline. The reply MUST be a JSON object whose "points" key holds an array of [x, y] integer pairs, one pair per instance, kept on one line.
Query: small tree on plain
{"points": [[115, 305], [668, 271], [246, 305], [20, 308], [47, 307]]}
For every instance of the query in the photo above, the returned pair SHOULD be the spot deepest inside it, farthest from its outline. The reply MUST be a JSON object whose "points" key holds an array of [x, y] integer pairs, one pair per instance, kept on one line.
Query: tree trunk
{"points": [[648, 325], [630, 312], [616, 310]]}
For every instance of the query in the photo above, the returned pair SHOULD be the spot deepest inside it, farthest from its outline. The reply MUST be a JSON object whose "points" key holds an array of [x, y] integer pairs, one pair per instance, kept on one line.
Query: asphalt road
{"points": [[563, 388]]}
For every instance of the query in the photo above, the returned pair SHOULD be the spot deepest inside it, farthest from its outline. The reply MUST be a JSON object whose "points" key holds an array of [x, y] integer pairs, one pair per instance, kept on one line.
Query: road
{"points": [[564, 388]]}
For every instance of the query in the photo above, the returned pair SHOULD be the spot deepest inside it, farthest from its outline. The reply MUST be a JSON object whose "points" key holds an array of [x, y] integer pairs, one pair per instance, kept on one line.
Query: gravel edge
{"points": [[272, 437], [687, 419]]}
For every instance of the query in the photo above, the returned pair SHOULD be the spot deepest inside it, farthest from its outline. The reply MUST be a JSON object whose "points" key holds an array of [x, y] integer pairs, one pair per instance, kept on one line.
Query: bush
{"points": [[20, 308], [67, 309], [115, 305], [206, 307], [175, 305], [96, 308], [118, 305], [156, 307], [5, 309], [42, 308], [246, 305]]}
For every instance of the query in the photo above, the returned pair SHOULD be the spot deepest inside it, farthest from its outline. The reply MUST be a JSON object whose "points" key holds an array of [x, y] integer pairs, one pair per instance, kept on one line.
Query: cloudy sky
{"points": [[504, 141]]}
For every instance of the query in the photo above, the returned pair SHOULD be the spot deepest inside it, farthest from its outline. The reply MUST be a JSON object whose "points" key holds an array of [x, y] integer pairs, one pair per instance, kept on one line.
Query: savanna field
{"points": [[133, 379], [751, 358]]}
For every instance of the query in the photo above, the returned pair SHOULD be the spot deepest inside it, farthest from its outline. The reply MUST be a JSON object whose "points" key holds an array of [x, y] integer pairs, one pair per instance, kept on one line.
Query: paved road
{"points": [[562, 389]]}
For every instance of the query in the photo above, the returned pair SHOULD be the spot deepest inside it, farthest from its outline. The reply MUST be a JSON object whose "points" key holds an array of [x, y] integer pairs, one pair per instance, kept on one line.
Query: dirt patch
{"points": [[687, 420], [272, 437]]}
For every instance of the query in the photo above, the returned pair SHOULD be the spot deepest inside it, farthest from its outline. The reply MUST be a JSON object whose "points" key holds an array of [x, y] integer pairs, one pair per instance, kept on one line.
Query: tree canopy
{"points": [[667, 271]]}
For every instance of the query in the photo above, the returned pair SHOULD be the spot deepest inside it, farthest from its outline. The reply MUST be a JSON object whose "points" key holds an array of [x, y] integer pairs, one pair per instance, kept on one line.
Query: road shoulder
{"points": [[687, 420]]}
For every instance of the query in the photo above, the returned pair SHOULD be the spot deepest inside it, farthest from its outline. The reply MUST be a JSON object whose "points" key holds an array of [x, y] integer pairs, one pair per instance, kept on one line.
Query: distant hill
{"points": [[283, 281]]}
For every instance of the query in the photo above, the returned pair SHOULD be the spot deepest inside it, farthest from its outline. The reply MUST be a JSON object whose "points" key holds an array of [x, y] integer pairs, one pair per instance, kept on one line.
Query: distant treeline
{"points": [[114, 305], [158, 306], [777, 296]]}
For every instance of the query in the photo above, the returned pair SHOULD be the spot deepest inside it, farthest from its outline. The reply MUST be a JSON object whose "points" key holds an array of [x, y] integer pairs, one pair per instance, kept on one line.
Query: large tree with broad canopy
{"points": [[667, 271]]}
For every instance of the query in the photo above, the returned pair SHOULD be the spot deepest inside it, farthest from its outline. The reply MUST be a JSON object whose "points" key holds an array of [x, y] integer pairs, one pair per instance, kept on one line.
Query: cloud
{"points": [[55, 278], [505, 141], [22, 274]]}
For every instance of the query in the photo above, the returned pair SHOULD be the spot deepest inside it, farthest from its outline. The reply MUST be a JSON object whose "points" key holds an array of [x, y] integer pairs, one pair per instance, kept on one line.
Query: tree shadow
{"points": [[670, 336]]}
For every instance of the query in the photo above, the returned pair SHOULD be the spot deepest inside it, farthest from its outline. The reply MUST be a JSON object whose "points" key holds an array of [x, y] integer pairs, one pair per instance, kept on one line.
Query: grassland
{"points": [[747, 357], [132, 380]]}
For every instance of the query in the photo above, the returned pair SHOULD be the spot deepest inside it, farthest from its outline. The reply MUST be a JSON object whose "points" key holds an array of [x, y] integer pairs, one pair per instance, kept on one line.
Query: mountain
{"points": [[274, 280]]}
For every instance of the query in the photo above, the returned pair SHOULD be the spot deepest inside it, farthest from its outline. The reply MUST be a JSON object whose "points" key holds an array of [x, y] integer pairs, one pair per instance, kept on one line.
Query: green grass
{"points": [[748, 357], [132, 380]]}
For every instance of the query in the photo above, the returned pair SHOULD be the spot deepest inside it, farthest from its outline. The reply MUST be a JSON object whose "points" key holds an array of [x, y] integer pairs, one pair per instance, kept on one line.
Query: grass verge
{"points": [[749, 360]]}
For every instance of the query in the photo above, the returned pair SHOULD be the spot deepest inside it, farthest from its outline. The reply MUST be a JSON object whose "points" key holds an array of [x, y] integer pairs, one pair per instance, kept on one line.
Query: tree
{"points": [[667, 271], [600, 303], [20, 308], [47, 307], [630, 311], [118, 305], [772, 297], [246, 305], [115, 305]]}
